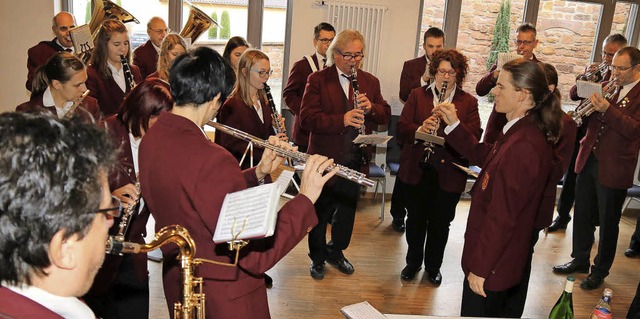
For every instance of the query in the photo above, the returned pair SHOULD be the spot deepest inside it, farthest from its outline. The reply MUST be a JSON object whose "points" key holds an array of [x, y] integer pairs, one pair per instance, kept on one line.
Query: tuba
{"points": [[197, 23], [105, 9]]}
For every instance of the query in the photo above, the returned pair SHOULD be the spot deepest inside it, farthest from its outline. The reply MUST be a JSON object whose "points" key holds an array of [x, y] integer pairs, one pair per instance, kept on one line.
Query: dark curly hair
{"points": [[458, 62], [49, 182]]}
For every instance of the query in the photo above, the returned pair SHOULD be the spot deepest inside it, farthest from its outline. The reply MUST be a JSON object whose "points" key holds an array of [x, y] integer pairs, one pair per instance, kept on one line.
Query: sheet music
{"points": [[81, 38], [504, 57], [282, 177], [430, 138], [362, 310], [253, 211], [372, 139], [586, 88]]}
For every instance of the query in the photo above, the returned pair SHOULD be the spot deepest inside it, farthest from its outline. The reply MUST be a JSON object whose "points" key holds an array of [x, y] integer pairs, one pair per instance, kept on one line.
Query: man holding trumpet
{"points": [[605, 166]]}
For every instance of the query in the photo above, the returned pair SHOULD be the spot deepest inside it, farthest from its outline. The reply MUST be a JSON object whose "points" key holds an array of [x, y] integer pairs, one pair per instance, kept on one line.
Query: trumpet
{"points": [[594, 75], [75, 105], [274, 111], [587, 107], [343, 171]]}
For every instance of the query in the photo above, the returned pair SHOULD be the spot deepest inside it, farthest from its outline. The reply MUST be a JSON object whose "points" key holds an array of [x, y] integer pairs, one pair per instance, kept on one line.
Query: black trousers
{"points": [[128, 297], [634, 243], [430, 212], [634, 308], [568, 192], [596, 204], [398, 207], [336, 204]]}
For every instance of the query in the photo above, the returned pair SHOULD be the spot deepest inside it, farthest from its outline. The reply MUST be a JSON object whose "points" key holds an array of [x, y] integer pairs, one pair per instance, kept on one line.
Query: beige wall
{"points": [[24, 23]]}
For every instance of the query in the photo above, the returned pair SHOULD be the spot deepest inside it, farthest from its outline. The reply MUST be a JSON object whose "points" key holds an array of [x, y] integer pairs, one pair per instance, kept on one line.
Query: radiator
{"points": [[364, 17]]}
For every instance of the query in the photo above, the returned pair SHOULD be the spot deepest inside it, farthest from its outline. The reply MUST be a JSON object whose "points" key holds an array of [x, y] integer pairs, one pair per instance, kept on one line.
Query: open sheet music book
{"points": [[362, 310], [248, 214], [372, 139], [586, 89], [504, 57], [81, 39]]}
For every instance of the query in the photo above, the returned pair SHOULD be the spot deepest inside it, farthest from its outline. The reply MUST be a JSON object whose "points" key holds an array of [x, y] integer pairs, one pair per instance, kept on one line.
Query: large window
{"points": [[432, 16], [621, 18], [274, 24]]}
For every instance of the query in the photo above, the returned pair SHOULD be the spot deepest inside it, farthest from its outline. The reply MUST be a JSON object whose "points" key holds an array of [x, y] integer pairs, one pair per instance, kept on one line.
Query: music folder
{"points": [[362, 310], [429, 138], [248, 214], [372, 139], [81, 39], [585, 89]]}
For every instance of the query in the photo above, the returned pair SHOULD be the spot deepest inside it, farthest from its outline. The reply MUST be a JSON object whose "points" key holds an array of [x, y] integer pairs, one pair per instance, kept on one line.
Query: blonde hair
{"points": [[247, 59], [169, 42], [341, 40]]}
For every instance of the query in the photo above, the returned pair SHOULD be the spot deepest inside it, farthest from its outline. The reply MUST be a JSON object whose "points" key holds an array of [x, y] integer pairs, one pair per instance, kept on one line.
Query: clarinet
{"points": [[274, 111], [429, 148], [127, 71], [126, 216], [362, 150], [343, 171]]}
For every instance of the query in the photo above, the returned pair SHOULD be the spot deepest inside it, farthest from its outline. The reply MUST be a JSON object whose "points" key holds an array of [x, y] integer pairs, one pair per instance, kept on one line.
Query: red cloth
{"points": [[89, 110], [14, 305], [145, 57], [292, 95], [38, 55], [412, 71], [107, 92]]}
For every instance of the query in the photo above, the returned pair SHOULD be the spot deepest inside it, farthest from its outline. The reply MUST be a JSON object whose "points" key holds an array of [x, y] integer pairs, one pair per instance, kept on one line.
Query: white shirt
{"points": [[47, 100], [257, 106], [321, 64], [118, 76], [135, 146], [435, 96], [344, 81], [66, 307], [156, 47], [65, 48], [625, 90]]}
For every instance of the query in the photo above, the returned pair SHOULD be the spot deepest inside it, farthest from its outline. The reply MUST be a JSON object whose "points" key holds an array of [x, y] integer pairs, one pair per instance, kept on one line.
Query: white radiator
{"points": [[364, 17]]}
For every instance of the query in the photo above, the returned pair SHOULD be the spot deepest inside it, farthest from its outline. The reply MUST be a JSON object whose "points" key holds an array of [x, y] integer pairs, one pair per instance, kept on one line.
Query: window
{"points": [[621, 18], [432, 16], [274, 23], [232, 19]]}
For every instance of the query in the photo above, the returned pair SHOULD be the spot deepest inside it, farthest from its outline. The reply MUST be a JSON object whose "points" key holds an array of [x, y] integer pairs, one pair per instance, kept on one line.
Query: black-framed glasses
{"points": [[451, 72], [325, 40], [520, 42], [263, 74], [620, 68], [351, 56], [115, 210]]}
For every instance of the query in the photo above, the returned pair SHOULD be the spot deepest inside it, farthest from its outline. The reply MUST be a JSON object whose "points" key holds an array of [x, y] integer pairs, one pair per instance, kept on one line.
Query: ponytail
{"points": [[40, 82]]}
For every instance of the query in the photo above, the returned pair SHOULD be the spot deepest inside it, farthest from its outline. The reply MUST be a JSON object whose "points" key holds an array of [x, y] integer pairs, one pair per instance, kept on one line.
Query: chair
{"points": [[378, 174], [633, 193]]}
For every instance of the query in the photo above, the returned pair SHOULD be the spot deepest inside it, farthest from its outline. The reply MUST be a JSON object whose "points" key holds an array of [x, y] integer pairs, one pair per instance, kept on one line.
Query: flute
{"points": [[343, 171], [75, 105]]}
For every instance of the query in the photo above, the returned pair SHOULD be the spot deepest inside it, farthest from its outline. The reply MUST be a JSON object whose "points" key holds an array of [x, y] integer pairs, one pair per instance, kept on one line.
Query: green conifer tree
{"points": [[225, 24], [213, 31], [87, 14], [500, 41]]}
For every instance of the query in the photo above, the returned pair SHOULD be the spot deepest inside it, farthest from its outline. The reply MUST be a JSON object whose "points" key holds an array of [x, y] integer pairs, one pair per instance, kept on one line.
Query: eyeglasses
{"points": [[620, 68], [166, 30], [263, 74], [325, 40], [451, 72], [348, 57], [521, 42], [115, 210]]}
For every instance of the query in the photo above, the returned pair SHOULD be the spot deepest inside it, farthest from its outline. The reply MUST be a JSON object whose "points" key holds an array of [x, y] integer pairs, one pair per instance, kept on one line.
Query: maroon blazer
{"points": [[122, 174], [418, 108], [614, 139], [153, 75], [145, 57], [324, 105], [496, 120], [235, 113], [88, 111], [107, 92], [38, 55], [562, 152], [292, 95], [412, 71], [184, 179], [14, 305], [505, 201]]}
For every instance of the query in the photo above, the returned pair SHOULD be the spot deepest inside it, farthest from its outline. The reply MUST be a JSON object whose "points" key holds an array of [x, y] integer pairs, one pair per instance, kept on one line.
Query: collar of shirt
{"points": [[344, 81], [156, 47], [47, 100], [320, 60], [435, 95], [625, 90], [510, 124], [65, 48], [118, 76], [67, 307]]}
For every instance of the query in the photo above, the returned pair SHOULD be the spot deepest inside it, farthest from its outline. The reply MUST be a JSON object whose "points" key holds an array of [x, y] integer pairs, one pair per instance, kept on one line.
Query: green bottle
{"points": [[564, 306]]}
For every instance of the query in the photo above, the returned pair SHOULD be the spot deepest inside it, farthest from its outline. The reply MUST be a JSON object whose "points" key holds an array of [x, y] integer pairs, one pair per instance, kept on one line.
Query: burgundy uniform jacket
{"points": [[88, 111], [505, 201], [323, 107], [412, 71], [107, 92], [38, 55], [237, 114], [418, 108], [145, 57], [293, 92], [14, 305], [614, 139], [184, 179], [122, 174], [496, 120]]}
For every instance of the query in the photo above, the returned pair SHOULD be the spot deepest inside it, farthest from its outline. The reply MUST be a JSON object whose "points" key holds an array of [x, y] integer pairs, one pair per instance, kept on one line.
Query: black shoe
{"points": [[435, 277], [317, 271], [559, 223], [409, 272], [343, 265], [591, 282], [630, 252], [571, 267], [268, 281], [398, 225]]}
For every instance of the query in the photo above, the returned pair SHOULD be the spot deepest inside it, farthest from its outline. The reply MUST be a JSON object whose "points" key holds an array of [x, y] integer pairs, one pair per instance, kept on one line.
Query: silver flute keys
{"points": [[343, 171]]}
